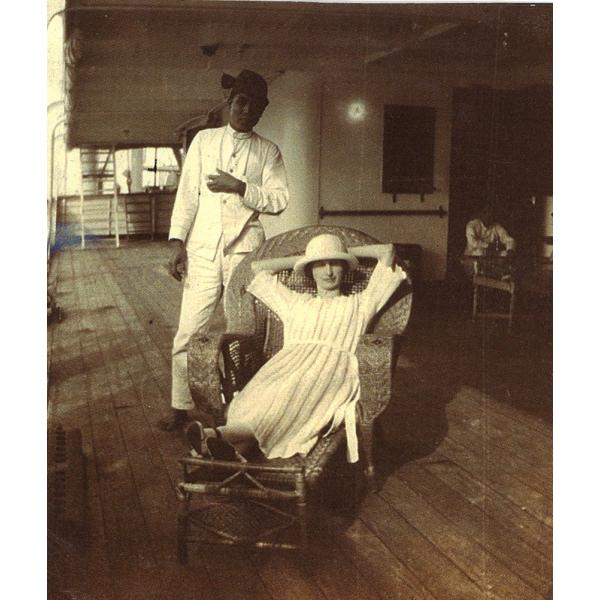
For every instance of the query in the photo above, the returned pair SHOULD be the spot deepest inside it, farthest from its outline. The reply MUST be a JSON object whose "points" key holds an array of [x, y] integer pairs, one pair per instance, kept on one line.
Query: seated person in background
{"points": [[486, 237], [311, 385]]}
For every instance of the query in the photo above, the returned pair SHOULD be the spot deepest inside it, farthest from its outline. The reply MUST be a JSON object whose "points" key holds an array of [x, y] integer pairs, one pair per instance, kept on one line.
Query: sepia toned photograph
{"points": [[299, 266]]}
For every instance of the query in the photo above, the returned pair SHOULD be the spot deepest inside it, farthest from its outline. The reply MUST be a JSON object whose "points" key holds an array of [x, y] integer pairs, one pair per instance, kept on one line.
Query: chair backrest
{"points": [[246, 314]]}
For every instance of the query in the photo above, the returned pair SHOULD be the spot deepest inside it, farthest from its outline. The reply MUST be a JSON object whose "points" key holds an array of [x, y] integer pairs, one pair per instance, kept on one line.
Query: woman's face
{"points": [[328, 274]]}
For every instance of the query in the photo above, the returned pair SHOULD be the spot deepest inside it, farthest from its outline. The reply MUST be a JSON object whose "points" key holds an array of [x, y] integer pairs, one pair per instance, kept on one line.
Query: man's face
{"points": [[245, 112], [328, 274]]}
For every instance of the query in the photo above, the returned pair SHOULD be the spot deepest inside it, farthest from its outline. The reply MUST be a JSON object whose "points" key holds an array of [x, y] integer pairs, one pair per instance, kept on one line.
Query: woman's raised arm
{"points": [[382, 252]]}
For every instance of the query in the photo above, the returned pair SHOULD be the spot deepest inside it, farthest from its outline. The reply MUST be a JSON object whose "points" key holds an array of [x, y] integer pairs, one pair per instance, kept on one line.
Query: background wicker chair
{"points": [[219, 366]]}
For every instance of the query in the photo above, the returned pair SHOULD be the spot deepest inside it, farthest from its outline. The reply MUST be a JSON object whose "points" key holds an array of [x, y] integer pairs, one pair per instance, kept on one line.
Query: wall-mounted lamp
{"points": [[356, 111]]}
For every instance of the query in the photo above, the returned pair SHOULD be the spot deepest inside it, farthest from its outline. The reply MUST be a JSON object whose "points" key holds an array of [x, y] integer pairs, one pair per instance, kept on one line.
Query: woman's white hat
{"points": [[326, 246]]}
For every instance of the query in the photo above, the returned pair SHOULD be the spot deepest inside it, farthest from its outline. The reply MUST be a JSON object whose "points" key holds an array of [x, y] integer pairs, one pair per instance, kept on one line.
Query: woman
{"points": [[311, 385]]}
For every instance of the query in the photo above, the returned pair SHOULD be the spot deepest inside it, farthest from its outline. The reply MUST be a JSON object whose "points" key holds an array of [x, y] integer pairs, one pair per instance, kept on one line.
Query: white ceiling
{"points": [[143, 67]]}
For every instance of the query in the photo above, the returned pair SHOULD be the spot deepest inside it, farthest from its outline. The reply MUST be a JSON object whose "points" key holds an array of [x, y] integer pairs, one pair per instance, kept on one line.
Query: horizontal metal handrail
{"points": [[439, 212]]}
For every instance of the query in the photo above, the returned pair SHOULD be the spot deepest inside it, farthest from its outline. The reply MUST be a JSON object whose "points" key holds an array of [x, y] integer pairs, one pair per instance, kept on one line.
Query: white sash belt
{"points": [[316, 342]]}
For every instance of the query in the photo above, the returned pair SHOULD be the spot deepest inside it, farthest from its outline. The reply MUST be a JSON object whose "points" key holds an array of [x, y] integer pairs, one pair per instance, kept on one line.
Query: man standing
{"points": [[230, 175]]}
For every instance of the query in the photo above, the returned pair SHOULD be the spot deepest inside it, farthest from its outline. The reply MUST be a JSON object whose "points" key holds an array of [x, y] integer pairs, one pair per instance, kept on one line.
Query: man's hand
{"points": [[178, 262], [224, 182]]}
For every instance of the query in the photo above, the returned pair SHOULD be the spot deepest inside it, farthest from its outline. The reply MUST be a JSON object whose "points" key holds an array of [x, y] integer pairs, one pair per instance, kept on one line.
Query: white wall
{"points": [[336, 163], [351, 162]]}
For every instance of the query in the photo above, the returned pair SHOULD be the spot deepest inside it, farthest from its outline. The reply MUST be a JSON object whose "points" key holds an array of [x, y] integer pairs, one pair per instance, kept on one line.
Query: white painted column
{"points": [[292, 121]]}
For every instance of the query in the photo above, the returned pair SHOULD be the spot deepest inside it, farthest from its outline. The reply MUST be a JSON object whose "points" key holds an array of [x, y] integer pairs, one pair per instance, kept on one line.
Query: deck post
{"points": [[81, 217], [115, 198]]}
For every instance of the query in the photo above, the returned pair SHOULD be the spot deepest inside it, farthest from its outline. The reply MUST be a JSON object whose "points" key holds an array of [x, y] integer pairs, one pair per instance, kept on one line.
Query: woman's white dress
{"points": [[312, 382]]}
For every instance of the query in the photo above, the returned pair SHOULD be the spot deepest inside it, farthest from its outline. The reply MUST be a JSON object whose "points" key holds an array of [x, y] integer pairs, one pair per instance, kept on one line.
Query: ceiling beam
{"points": [[412, 41], [467, 12]]}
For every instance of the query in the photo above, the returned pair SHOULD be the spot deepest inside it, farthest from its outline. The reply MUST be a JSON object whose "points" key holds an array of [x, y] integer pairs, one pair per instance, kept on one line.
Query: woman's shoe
{"points": [[219, 449], [215, 447], [197, 439]]}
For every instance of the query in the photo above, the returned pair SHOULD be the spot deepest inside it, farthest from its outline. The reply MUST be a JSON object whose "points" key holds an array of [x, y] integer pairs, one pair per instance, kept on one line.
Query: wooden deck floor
{"points": [[465, 511]]}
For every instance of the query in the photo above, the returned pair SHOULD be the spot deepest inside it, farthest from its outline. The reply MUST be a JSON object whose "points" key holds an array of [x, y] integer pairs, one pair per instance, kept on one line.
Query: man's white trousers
{"points": [[202, 289]]}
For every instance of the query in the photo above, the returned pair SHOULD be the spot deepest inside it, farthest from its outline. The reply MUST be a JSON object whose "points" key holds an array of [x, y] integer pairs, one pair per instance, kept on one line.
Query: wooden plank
{"points": [[231, 571], [518, 469], [230, 582], [433, 569], [65, 407], [387, 575], [519, 522], [160, 506], [532, 447], [500, 391], [522, 559], [150, 317], [164, 290], [330, 568], [95, 579], [144, 374], [110, 334], [138, 436], [128, 544], [145, 370], [63, 347], [476, 462], [151, 313], [285, 577], [505, 415], [152, 581], [391, 551], [473, 558], [518, 375], [96, 561], [474, 432]]}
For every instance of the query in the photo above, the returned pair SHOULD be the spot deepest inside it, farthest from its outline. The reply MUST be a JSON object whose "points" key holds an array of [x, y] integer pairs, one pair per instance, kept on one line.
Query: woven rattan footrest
{"points": [[239, 521]]}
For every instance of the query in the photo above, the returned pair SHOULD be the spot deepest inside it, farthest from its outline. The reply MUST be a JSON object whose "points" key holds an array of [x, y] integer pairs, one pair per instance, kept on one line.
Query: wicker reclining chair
{"points": [[271, 495]]}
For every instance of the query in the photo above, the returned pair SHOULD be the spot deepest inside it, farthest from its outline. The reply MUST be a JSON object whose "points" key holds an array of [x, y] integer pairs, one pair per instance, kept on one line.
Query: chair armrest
{"points": [[204, 376], [242, 356], [218, 365], [375, 354]]}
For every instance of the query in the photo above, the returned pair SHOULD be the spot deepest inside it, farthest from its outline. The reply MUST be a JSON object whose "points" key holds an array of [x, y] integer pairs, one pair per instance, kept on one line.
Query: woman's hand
{"points": [[177, 265]]}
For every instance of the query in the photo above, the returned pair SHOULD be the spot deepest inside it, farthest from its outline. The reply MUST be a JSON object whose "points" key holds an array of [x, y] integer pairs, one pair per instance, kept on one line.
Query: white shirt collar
{"points": [[238, 135]]}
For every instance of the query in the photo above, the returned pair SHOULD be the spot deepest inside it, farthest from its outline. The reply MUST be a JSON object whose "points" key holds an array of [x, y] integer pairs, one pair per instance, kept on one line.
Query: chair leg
{"points": [[366, 434], [301, 505], [475, 293], [511, 308]]}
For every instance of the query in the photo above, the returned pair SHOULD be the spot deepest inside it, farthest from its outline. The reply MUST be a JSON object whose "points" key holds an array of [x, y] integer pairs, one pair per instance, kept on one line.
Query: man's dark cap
{"points": [[247, 82]]}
